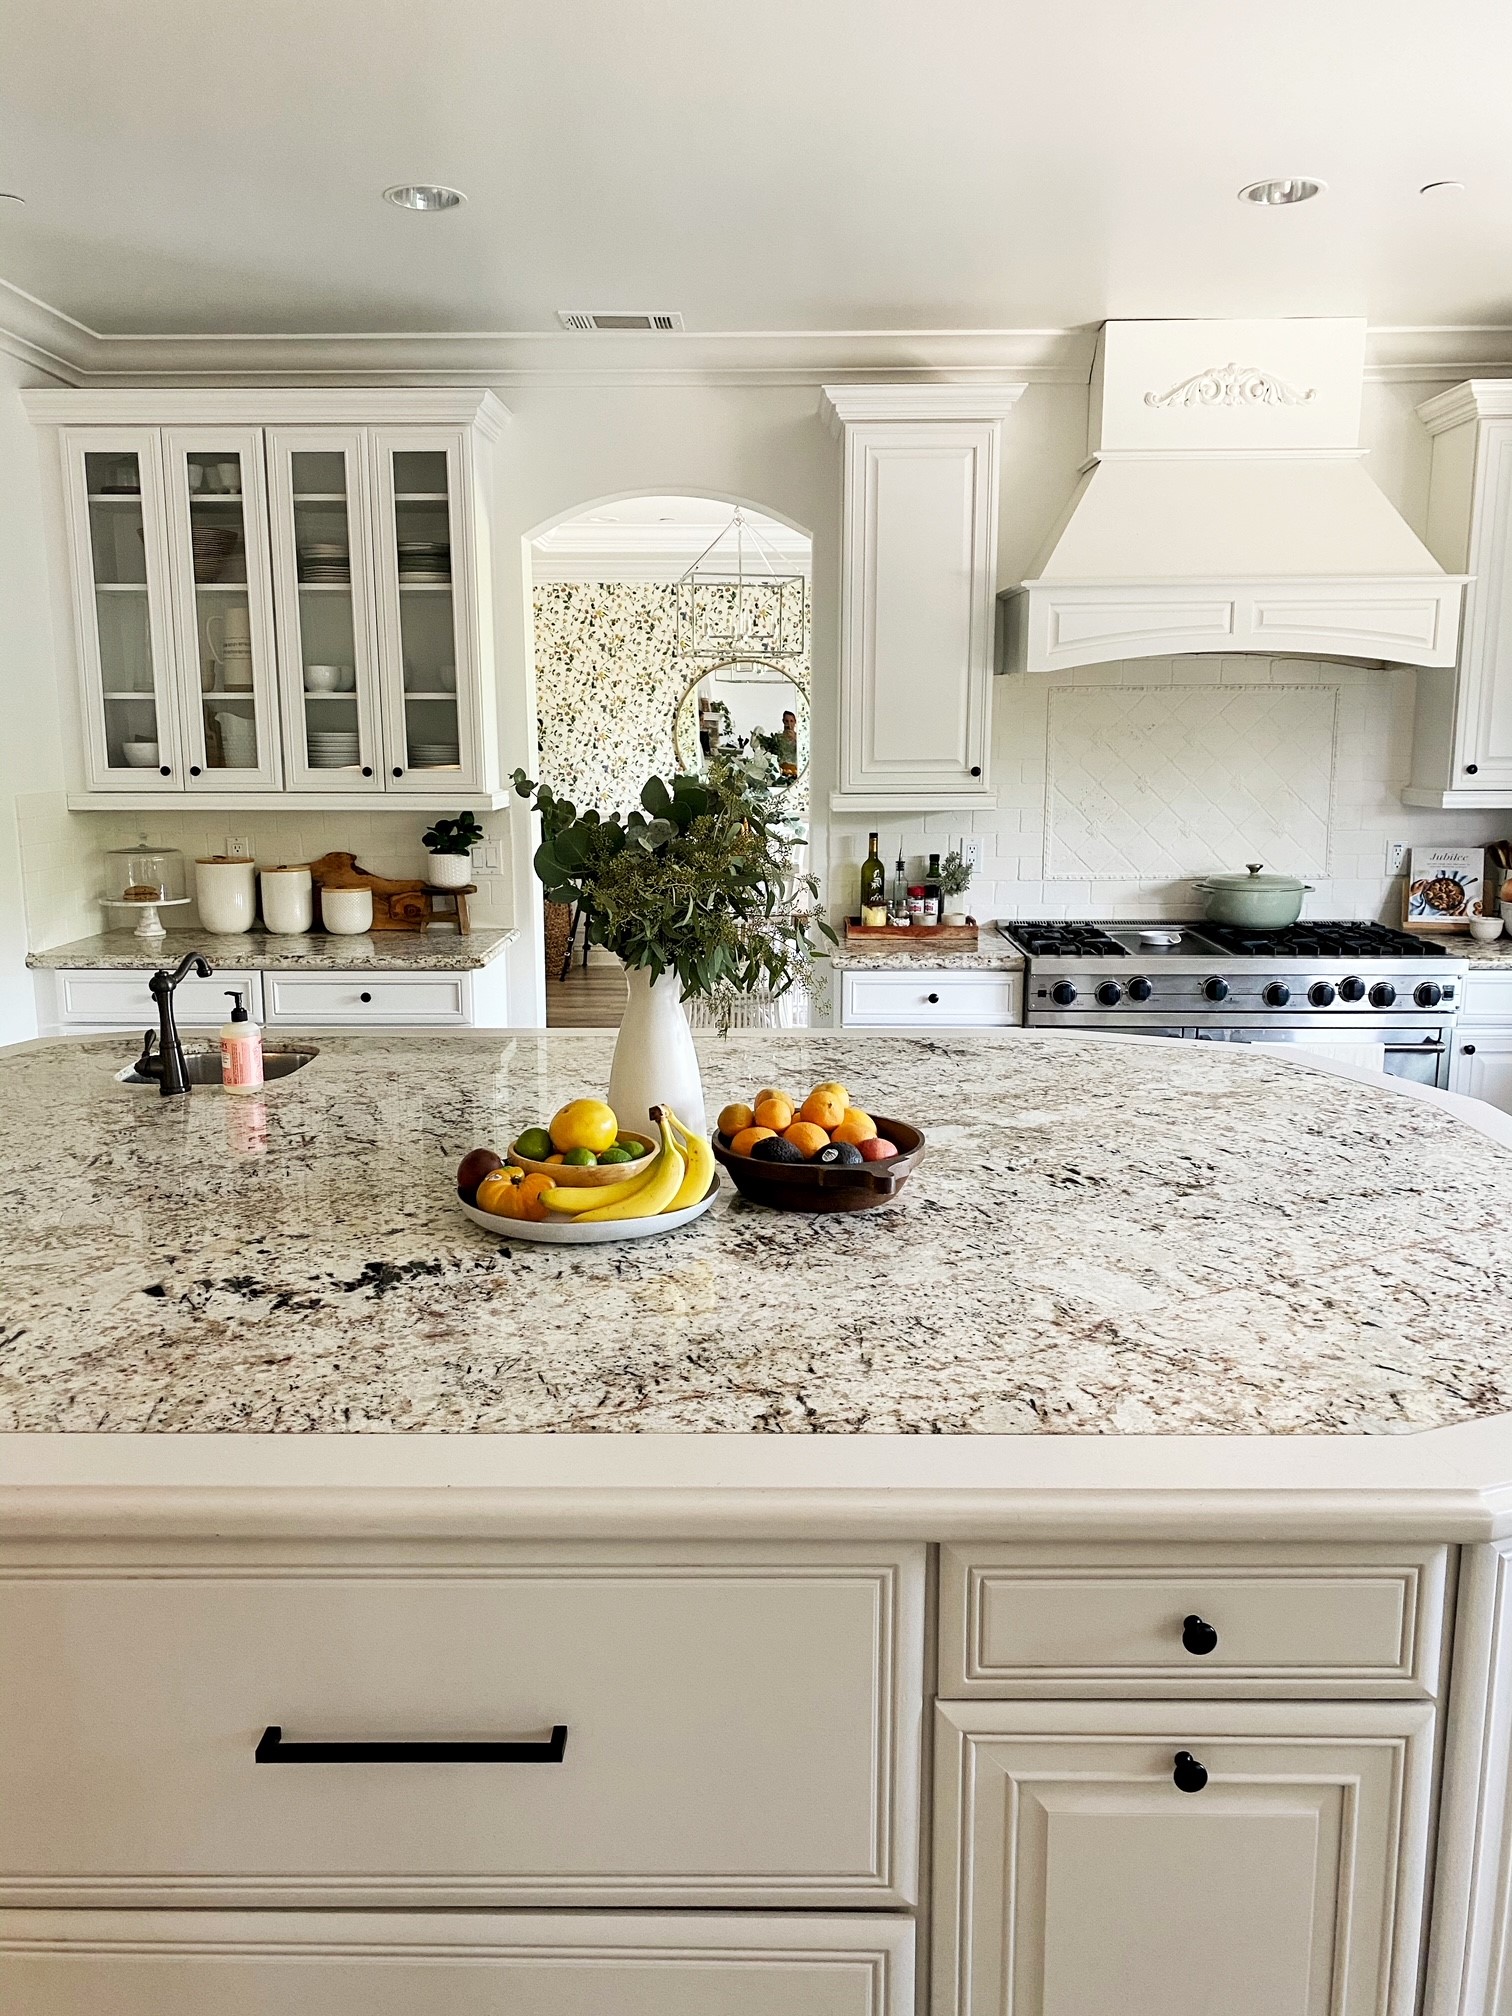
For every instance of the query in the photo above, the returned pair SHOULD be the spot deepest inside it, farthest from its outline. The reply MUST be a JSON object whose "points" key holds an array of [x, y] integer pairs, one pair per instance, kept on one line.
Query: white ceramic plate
{"points": [[562, 1233]]}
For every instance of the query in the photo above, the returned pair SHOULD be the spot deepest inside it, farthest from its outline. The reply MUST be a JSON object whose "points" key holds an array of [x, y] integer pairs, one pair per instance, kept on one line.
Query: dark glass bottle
{"points": [[873, 885], [932, 891]]}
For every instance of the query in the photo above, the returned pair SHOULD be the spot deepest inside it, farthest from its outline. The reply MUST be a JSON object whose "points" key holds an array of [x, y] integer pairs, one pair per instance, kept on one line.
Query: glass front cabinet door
{"points": [[431, 628], [114, 498], [218, 535], [322, 524]]}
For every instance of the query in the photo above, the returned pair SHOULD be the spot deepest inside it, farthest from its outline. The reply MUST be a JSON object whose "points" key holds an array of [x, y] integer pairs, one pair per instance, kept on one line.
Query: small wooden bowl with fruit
{"points": [[821, 1155], [583, 1148]]}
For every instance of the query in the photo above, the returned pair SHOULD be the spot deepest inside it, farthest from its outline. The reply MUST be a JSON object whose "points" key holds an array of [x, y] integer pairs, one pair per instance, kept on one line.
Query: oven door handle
{"points": [[1416, 1049]]}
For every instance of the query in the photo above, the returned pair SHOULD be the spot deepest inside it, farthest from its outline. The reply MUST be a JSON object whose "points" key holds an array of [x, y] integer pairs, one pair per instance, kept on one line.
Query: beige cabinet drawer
{"points": [[436, 1000], [1290, 1621], [275, 1963], [915, 1000], [741, 1729], [110, 998], [476, 1964]]}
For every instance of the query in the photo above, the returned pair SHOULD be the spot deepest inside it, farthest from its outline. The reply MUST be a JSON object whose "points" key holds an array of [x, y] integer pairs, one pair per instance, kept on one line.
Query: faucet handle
{"points": [[148, 1065]]}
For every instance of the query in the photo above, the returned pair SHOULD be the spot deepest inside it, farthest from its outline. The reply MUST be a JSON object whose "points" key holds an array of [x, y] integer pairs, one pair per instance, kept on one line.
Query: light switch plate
{"points": [[485, 858]]}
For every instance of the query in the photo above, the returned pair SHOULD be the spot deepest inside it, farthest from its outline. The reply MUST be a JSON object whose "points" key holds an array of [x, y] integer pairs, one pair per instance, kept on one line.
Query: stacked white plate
{"points": [[424, 560], [434, 755], [334, 749], [325, 560]]}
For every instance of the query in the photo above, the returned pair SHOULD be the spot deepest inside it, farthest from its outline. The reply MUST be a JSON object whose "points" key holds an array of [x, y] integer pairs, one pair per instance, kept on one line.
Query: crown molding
{"points": [[131, 406], [844, 405], [1476, 399]]}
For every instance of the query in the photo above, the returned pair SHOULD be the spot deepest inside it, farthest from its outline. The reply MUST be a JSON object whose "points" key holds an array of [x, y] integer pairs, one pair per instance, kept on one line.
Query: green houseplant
{"points": [[698, 894], [450, 843]]}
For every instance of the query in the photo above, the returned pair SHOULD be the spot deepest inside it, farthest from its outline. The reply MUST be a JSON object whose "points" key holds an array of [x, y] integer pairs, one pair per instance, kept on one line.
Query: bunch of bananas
{"points": [[676, 1177]]}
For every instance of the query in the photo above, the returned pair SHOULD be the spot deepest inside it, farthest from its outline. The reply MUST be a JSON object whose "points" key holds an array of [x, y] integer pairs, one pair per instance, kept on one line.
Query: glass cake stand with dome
{"points": [[145, 880]]}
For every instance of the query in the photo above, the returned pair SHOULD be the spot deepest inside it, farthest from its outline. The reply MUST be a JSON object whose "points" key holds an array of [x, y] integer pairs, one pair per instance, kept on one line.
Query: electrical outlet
{"points": [[1396, 857], [239, 849], [485, 858], [970, 846]]}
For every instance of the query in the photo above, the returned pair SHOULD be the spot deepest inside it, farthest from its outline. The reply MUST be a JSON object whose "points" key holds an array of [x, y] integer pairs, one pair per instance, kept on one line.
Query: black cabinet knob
{"points": [[1198, 1636], [1188, 1775], [932, 999], [976, 769], [1467, 1049], [364, 997], [1063, 994], [1471, 769], [1216, 989], [398, 769], [1277, 994], [164, 771], [367, 769], [1352, 989], [194, 769], [1140, 988]]}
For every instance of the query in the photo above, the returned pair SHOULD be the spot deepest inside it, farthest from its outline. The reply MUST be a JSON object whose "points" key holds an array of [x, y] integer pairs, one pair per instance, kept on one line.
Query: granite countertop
{"points": [[992, 955], [1497, 956], [442, 951], [1105, 1238]]}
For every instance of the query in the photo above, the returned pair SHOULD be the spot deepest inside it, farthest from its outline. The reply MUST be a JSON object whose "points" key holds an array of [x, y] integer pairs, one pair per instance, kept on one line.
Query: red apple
{"points": [[473, 1167], [877, 1150]]}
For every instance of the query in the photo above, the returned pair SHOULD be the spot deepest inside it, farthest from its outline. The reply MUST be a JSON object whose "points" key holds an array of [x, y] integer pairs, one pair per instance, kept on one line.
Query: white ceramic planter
{"points": [[226, 893], [449, 871], [288, 904], [346, 913], [655, 1063]]}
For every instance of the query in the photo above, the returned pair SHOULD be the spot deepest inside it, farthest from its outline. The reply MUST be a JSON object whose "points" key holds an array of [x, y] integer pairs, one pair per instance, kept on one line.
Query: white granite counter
{"points": [[991, 955], [1105, 1239], [437, 951], [1492, 958]]}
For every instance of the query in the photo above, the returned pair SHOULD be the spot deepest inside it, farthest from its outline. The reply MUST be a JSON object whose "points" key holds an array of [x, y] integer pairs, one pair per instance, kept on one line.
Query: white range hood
{"points": [[1225, 507]]}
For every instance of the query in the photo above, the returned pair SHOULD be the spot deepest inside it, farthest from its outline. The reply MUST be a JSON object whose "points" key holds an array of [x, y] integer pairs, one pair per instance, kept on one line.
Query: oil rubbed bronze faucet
{"points": [[168, 1066]]}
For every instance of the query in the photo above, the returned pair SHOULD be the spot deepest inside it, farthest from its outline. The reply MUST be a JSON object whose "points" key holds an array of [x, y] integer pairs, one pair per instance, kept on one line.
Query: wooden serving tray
{"points": [[397, 905], [961, 935]]}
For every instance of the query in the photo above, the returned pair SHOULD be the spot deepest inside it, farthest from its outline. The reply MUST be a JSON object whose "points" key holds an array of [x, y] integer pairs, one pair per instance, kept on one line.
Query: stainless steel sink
{"points": [[204, 1066]]}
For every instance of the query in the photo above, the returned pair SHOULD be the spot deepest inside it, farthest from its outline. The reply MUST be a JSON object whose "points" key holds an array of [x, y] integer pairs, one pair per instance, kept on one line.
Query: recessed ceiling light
{"points": [[423, 196], [1281, 189], [1442, 189]]}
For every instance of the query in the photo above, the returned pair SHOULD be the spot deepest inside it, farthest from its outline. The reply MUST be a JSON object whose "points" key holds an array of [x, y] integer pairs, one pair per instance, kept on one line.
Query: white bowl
{"points": [[1484, 928], [140, 755], [325, 678], [572, 1232]]}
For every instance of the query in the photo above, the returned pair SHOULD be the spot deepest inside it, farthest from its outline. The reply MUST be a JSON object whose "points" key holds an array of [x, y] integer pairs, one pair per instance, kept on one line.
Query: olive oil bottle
{"points": [[873, 886]]}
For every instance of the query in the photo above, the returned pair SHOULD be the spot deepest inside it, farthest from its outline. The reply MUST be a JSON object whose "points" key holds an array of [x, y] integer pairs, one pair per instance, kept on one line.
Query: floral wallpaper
{"points": [[608, 680]]}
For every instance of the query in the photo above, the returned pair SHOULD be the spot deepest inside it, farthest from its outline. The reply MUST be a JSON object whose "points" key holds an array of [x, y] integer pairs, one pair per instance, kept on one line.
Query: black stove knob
{"points": [[1063, 994], [1321, 994], [1382, 995], [1139, 988], [1351, 989], [1109, 994], [1216, 989], [1428, 994], [1276, 994]]}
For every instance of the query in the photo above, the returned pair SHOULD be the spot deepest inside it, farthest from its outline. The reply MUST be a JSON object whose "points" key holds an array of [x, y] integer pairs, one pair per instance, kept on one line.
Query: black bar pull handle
{"points": [[273, 1750]]}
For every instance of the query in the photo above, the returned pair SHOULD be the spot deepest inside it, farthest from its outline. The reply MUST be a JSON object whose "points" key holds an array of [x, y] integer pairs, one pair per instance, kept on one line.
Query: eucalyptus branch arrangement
{"points": [[700, 882]]}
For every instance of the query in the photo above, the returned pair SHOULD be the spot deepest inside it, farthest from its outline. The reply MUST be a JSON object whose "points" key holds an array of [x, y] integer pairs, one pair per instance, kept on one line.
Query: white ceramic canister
{"points": [[225, 890], [346, 912], [288, 904]]}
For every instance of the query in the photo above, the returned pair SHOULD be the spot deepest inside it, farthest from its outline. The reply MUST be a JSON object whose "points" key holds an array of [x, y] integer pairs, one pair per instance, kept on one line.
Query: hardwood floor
{"points": [[591, 997]]}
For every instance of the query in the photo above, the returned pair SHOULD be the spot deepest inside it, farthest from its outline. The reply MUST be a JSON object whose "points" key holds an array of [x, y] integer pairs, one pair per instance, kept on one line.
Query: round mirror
{"points": [[745, 706]]}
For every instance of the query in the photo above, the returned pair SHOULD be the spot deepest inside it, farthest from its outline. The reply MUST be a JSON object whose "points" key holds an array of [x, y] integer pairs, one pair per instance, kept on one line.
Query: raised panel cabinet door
{"points": [[1163, 1860], [123, 616], [1483, 1065], [223, 608], [920, 541], [1483, 715], [325, 608], [277, 1963]]}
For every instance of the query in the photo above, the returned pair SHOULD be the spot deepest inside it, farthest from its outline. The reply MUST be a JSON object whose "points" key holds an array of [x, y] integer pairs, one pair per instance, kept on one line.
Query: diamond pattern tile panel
{"points": [[1168, 781]]}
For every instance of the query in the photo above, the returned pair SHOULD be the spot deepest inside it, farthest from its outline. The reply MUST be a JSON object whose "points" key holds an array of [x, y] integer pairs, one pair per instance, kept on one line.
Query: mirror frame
{"points": [[692, 760]]}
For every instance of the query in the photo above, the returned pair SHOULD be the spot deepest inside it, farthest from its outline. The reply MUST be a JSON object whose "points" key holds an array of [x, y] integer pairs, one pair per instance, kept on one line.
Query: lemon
{"points": [[584, 1123]]}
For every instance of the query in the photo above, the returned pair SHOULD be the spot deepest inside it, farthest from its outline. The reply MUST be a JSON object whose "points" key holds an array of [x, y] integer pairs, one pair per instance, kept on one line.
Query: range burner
{"points": [[1316, 939], [1065, 939]]}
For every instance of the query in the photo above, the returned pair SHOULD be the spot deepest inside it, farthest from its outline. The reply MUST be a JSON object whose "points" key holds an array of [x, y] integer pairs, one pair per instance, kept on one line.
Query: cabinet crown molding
{"points": [[320, 406], [1475, 399], [843, 403]]}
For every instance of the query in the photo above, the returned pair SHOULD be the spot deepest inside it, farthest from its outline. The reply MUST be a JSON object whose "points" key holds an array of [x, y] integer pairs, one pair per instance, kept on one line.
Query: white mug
{"points": [[287, 905], [347, 913], [224, 891]]}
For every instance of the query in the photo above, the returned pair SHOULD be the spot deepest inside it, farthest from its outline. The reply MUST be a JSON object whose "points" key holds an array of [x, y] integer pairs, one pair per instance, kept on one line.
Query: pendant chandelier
{"points": [[736, 601]]}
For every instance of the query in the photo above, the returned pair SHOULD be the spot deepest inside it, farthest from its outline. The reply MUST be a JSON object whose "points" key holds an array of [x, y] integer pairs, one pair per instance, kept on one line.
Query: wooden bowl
{"points": [[813, 1186], [588, 1179]]}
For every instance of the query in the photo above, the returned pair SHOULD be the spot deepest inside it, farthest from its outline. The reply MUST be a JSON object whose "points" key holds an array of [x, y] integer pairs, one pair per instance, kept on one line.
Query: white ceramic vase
{"points": [[449, 871], [655, 1063]]}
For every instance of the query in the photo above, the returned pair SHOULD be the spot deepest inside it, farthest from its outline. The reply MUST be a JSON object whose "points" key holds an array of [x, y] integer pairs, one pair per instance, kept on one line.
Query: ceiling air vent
{"points": [[616, 318]]}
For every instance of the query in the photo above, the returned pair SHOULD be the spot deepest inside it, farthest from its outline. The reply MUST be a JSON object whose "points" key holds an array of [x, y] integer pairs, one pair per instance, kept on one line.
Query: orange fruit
{"points": [[528, 1199], [584, 1123], [807, 1137], [774, 1092], [735, 1119], [856, 1127], [825, 1106], [747, 1138], [774, 1111], [558, 1158]]}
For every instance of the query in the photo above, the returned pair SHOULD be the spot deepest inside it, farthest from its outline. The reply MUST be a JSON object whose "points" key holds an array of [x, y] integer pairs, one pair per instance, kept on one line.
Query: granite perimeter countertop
{"points": [[992, 955], [1104, 1238], [269, 952], [1492, 958]]}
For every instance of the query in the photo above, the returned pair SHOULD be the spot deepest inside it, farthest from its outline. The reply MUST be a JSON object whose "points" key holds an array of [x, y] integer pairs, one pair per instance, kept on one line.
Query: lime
{"points": [[580, 1158], [616, 1154], [633, 1149], [534, 1144]]}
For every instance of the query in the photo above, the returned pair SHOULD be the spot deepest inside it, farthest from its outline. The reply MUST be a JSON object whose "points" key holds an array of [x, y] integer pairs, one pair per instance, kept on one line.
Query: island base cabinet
{"points": [[456, 1964], [1176, 1860]]}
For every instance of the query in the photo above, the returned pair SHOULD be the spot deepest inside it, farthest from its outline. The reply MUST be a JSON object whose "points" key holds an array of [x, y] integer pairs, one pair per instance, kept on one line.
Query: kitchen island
{"points": [[1154, 1439]]}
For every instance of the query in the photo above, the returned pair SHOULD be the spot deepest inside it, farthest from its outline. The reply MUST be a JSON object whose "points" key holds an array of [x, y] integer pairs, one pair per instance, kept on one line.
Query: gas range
{"points": [[1327, 980]]}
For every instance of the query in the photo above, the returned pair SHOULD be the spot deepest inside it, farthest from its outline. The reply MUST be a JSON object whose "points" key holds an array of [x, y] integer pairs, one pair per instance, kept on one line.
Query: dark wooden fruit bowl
{"points": [[812, 1186]]}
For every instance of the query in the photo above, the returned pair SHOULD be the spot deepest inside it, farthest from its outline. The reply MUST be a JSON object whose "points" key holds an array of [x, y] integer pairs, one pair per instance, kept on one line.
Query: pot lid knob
{"points": [[1254, 867]]}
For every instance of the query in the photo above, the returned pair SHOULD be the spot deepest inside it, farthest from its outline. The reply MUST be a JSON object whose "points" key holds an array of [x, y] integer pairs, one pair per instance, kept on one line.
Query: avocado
{"points": [[840, 1154], [775, 1149]]}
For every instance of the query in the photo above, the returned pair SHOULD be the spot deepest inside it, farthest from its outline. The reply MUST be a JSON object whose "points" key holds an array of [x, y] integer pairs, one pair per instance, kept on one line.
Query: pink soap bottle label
{"points": [[241, 1061]]}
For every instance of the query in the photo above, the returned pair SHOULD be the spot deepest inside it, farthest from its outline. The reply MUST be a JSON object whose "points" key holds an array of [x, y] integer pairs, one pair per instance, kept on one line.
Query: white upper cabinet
{"points": [[1462, 738], [281, 594], [919, 562]]}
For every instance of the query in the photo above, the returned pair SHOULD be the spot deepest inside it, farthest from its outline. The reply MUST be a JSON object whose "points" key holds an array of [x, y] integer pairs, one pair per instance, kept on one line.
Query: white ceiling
{"points": [[794, 165]]}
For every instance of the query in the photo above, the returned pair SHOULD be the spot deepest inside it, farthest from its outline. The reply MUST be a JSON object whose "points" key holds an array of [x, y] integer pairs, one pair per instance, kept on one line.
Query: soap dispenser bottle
{"points": [[241, 1047]]}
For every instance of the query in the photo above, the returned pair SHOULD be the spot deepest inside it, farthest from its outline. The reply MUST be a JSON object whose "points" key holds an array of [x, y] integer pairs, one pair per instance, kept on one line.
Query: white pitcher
{"points": [[233, 647], [655, 1063]]}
